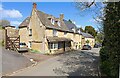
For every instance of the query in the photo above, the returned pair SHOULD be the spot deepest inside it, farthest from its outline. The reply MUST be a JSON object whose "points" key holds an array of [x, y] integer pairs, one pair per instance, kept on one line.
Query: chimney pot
{"points": [[34, 5], [61, 17]]}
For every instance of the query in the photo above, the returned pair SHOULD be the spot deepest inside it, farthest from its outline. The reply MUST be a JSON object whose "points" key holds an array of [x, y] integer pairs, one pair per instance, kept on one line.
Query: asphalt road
{"points": [[75, 63], [0, 62], [12, 61]]}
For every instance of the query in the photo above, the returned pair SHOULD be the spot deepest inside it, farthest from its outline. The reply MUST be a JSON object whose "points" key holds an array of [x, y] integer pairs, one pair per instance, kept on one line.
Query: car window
{"points": [[22, 44]]}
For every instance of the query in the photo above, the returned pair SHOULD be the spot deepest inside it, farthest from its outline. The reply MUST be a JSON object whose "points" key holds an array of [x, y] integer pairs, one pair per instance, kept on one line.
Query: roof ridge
{"points": [[47, 14]]}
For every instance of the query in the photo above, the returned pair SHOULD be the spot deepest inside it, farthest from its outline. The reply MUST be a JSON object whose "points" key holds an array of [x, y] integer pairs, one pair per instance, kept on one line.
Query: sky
{"points": [[16, 12]]}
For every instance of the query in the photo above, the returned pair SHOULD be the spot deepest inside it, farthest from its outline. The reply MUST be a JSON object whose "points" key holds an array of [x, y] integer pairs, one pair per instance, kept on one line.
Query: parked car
{"points": [[23, 47], [86, 47], [97, 45]]}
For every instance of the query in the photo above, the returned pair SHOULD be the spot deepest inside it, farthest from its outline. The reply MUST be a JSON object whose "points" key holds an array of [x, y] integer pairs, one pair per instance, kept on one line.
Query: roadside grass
{"points": [[34, 51], [1, 42], [1, 28]]}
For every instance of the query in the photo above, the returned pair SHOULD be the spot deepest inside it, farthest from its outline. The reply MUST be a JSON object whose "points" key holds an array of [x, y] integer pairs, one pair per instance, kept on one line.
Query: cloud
{"points": [[96, 20], [80, 26], [11, 13], [1, 8], [15, 23]]}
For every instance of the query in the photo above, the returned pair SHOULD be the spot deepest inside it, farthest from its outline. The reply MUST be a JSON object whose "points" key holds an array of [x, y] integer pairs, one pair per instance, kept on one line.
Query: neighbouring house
{"points": [[88, 39], [75, 35]]}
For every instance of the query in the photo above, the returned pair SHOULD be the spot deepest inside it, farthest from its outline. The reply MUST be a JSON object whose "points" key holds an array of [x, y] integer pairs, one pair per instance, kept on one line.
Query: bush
{"points": [[107, 65], [110, 53]]}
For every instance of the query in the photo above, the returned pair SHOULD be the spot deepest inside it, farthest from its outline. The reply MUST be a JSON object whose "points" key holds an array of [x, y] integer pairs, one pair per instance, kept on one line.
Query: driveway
{"points": [[12, 61], [75, 63]]}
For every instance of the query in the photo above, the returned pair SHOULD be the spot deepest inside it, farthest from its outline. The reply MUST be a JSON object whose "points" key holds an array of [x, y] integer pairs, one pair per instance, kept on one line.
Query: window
{"points": [[52, 21], [30, 32], [73, 30], [29, 45], [65, 33], [58, 23], [54, 32], [53, 45]]}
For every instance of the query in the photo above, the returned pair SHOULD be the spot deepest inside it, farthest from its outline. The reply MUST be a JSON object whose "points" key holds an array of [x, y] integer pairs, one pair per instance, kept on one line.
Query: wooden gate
{"points": [[12, 43]]}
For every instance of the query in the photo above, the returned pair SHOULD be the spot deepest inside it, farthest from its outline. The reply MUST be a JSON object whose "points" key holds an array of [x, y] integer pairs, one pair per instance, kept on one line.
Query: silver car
{"points": [[23, 47]]}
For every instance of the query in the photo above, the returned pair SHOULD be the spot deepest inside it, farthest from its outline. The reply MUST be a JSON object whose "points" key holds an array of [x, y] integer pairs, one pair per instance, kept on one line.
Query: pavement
{"points": [[73, 63], [12, 61]]}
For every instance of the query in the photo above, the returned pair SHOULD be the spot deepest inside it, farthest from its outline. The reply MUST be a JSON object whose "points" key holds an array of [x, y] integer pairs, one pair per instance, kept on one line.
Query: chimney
{"points": [[61, 17], [34, 5]]}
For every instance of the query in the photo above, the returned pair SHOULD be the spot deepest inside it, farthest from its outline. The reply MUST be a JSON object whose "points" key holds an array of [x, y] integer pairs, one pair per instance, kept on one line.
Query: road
{"points": [[12, 61], [0, 62], [75, 63]]}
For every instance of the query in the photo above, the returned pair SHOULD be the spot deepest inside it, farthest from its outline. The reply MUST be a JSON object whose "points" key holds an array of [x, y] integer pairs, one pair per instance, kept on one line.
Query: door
{"points": [[29, 45], [64, 45]]}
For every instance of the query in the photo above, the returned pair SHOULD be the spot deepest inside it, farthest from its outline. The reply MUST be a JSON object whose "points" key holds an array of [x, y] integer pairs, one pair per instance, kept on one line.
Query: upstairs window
{"points": [[73, 29], [54, 32], [65, 33], [58, 23], [52, 21], [30, 32]]}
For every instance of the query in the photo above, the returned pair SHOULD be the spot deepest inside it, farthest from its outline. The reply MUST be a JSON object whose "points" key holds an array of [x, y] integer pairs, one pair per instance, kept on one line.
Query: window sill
{"points": [[54, 49]]}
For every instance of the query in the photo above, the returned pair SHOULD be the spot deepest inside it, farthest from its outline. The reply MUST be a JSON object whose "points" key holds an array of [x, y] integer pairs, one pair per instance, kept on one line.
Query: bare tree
{"points": [[93, 7], [4, 23]]}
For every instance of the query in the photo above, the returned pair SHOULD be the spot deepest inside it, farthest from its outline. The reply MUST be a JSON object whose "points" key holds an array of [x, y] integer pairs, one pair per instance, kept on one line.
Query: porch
{"points": [[59, 44]]}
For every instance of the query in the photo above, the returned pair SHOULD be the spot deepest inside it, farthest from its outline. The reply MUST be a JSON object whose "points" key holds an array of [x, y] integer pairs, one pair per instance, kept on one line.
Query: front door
{"points": [[64, 45]]}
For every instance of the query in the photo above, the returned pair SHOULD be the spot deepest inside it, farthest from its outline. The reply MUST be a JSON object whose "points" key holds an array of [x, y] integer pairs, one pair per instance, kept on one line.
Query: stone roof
{"points": [[8, 26], [46, 22], [70, 26], [58, 39], [87, 35], [25, 23]]}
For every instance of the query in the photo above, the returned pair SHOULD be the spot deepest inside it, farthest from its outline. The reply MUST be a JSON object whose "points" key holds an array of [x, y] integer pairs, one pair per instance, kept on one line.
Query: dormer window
{"points": [[52, 21], [30, 32], [58, 23], [73, 30], [26, 20]]}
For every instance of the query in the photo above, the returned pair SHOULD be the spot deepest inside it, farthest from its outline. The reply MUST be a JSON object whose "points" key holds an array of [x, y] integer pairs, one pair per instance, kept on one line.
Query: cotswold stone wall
{"points": [[12, 32]]}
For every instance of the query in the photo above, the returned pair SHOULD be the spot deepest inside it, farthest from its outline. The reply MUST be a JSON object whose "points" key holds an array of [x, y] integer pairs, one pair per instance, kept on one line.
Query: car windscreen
{"points": [[22, 44]]}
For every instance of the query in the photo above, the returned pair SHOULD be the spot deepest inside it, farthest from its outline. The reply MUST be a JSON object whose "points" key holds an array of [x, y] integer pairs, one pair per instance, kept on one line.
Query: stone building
{"points": [[48, 34]]}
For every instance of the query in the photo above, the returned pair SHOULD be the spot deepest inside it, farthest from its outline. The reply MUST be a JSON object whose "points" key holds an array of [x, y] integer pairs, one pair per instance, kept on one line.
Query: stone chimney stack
{"points": [[34, 5], [61, 17]]}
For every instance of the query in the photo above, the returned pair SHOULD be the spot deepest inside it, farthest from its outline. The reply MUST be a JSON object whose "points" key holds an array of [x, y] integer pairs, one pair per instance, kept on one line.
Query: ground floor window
{"points": [[29, 44], [53, 45], [68, 44]]}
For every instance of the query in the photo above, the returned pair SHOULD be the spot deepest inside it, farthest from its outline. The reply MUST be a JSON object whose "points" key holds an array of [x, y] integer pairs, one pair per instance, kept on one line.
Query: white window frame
{"points": [[53, 46], [52, 21], [30, 32], [58, 23], [30, 45], [65, 33], [54, 32]]}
